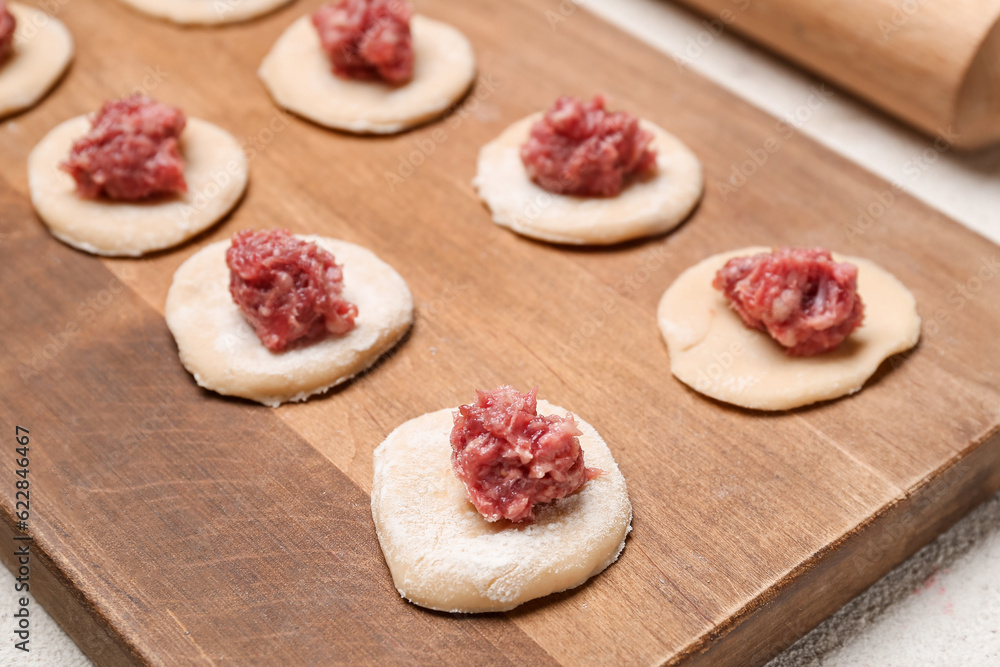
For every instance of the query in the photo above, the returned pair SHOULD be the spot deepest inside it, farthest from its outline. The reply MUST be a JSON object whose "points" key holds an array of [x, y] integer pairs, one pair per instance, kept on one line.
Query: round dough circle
{"points": [[712, 351], [222, 352], [216, 174], [205, 12], [43, 49], [297, 74], [444, 555], [646, 207]]}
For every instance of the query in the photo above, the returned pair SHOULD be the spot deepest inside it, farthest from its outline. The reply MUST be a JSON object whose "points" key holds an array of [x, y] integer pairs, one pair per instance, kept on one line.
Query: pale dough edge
{"points": [[891, 326], [413, 573], [289, 65], [205, 12], [124, 229], [201, 284], [44, 59], [646, 208]]}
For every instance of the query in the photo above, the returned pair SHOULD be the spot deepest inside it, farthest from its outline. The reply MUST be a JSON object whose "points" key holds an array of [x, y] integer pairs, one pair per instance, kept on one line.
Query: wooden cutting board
{"points": [[173, 526]]}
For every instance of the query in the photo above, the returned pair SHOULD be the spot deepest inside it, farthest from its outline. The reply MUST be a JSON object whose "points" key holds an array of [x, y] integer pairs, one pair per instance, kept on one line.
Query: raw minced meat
{"points": [[801, 297], [510, 458], [288, 289], [132, 151], [579, 148], [7, 26], [367, 39]]}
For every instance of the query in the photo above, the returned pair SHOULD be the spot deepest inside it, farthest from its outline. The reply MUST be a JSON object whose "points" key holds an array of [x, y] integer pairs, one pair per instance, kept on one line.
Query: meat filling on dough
{"points": [[800, 296], [7, 26], [367, 39], [287, 289], [579, 148], [131, 152], [510, 458]]}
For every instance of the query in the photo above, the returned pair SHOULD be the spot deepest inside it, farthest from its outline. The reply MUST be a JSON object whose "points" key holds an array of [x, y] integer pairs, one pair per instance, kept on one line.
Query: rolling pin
{"points": [[934, 64]]}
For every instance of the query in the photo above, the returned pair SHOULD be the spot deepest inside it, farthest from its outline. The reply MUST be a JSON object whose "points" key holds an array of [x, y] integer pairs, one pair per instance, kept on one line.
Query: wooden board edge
{"points": [[851, 564], [51, 589]]}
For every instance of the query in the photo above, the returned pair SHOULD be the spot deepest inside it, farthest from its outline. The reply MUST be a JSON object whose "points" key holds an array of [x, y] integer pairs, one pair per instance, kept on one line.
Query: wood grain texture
{"points": [[193, 529], [932, 63]]}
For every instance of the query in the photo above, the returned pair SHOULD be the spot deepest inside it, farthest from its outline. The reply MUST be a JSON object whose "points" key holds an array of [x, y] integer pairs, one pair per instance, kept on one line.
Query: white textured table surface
{"points": [[941, 607]]}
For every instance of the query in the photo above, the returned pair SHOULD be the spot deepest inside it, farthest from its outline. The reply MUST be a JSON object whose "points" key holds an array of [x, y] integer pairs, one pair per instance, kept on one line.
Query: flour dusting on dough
{"points": [[443, 555]]}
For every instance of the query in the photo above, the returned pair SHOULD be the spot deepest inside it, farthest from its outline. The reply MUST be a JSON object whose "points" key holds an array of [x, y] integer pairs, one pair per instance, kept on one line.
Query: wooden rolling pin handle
{"points": [[932, 63]]}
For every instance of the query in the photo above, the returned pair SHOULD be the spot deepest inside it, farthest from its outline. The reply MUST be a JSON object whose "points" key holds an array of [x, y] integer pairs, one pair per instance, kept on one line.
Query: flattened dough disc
{"points": [[43, 49], [444, 555], [215, 170], [223, 353], [654, 205], [205, 12], [712, 352], [297, 74]]}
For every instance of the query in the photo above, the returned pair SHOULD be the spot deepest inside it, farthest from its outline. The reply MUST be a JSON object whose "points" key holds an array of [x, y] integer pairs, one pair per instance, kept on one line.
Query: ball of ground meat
{"points": [[132, 151], [510, 458], [367, 39], [579, 148], [287, 289], [800, 296], [7, 26]]}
